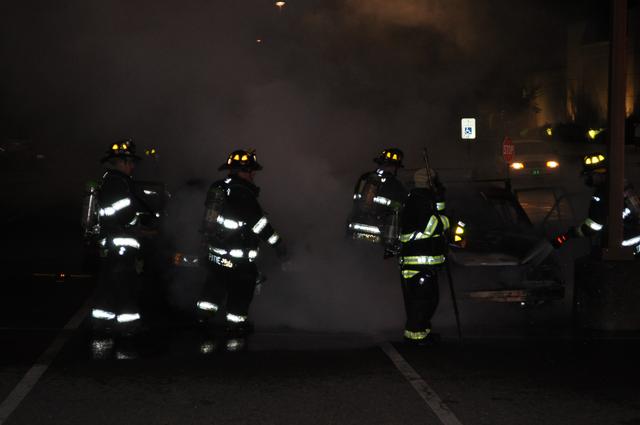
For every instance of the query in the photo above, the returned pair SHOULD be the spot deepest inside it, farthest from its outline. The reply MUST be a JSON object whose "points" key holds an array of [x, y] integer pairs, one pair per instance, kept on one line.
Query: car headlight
{"points": [[517, 165], [553, 164]]}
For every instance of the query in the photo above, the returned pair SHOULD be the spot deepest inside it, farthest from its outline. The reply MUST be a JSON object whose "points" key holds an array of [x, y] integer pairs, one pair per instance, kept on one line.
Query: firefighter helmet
{"points": [[244, 160], [594, 163], [391, 156], [124, 149]]}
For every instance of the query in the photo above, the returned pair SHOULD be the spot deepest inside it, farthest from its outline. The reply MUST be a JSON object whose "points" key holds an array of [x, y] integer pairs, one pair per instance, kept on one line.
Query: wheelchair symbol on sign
{"points": [[468, 131]]}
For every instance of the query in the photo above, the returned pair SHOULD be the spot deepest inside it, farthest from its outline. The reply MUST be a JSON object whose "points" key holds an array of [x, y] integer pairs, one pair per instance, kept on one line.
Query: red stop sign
{"points": [[508, 149]]}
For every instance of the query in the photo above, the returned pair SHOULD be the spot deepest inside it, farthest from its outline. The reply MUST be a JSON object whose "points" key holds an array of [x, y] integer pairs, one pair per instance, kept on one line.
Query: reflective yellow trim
{"points": [[431, 226], [406, 237], [408, 274], [423, 260], [440, 206], [457, 238], [428, 231], [445, 222], [416, 335]]}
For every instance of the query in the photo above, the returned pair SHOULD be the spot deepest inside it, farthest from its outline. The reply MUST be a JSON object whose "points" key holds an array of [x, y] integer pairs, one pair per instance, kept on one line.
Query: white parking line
{"points": [[33, 375], [427, 393]]}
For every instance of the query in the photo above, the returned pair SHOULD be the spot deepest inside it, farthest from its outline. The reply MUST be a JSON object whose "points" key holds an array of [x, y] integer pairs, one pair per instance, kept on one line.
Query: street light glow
{"points": [[281, 4]]}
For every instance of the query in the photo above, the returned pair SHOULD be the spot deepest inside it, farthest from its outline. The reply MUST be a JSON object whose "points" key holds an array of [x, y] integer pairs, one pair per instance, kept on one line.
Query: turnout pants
{"points": [[421, 296], [230, 287], [118, 288]]}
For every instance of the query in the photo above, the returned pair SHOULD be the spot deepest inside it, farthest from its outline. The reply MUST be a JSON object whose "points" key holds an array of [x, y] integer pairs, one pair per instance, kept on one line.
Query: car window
{"points": [[533, 148], [479, 209]]}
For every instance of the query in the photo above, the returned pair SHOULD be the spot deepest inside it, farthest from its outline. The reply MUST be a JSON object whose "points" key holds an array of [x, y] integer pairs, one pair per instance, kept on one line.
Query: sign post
{"points": [[508, 151]]}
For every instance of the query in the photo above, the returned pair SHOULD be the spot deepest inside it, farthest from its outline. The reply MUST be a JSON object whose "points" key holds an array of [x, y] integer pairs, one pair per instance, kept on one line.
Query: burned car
{"points": [[506, 259]]}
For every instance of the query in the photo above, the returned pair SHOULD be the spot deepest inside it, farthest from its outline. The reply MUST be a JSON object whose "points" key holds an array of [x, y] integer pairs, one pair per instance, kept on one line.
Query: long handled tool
{"points": [[454, 300]]}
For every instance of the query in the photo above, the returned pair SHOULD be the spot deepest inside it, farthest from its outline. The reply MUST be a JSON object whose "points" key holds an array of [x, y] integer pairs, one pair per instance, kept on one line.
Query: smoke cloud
{"points": [[328, 86]]}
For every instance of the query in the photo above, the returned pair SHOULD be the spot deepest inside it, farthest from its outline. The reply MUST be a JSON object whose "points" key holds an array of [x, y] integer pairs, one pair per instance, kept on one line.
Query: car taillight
{"points": [[517, 165], [553, 164]]}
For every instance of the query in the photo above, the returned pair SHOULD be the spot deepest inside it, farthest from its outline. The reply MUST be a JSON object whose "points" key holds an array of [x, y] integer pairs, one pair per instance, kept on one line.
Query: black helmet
{"points": [[391, 156], [124, 149], [594, 163], [151, 153], [244, 160]]}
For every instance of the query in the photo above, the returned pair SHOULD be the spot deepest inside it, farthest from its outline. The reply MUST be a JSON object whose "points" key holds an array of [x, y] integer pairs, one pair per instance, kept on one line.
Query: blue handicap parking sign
{"points": [[468, 130]]}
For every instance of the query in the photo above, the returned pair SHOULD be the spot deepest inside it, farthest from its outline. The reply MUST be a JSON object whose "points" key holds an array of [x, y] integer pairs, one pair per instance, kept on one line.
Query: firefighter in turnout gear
{"points": [[234, 224], [595, 174], [121, 234], [377, 200], [424, 228]]}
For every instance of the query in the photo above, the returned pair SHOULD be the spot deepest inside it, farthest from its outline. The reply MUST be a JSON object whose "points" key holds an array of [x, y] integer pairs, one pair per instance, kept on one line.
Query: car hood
{"points": [[501, 248]]}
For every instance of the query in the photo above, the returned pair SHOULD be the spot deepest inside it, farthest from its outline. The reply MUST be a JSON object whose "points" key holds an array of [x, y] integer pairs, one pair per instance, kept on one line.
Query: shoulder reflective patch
{"points": [[440, 206], [593, 225], [273, 239], [115, 207], [260, 225], [431, 226]]}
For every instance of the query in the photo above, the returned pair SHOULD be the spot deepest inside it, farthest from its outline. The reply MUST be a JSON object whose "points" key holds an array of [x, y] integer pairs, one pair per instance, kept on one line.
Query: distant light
{"points": [[553, 164], [517, 165], [280, 4], [549, 131], [259, 40]]}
